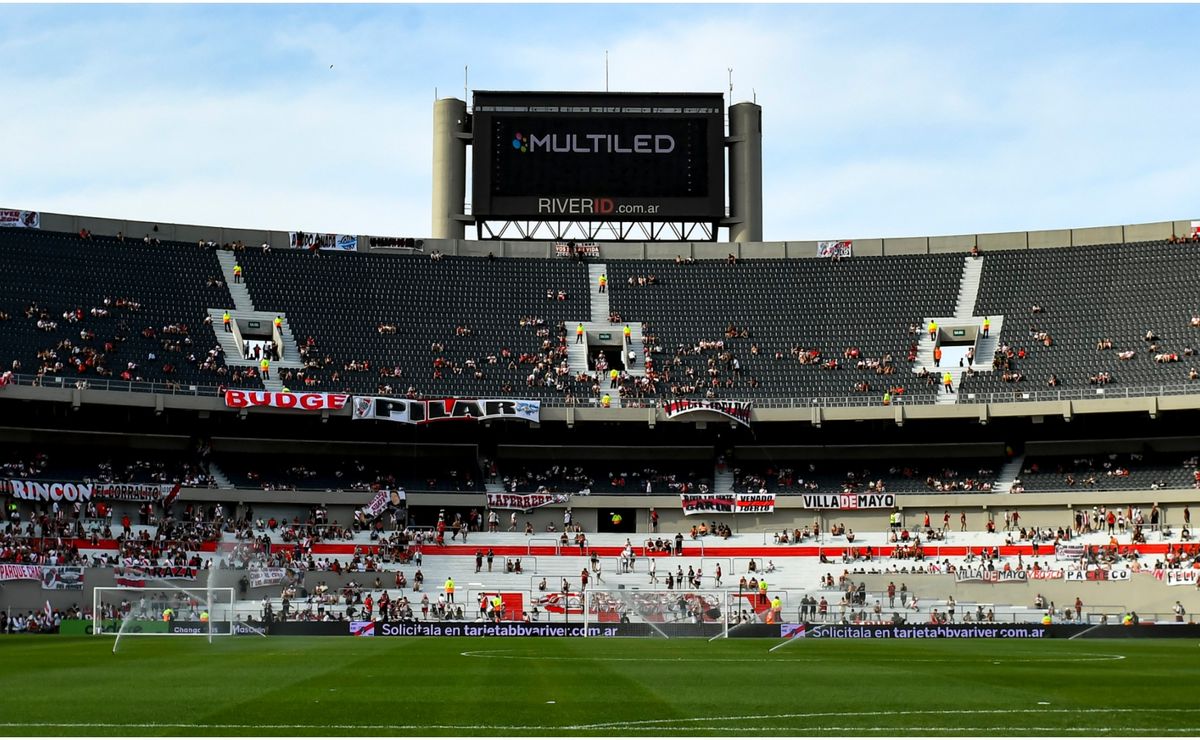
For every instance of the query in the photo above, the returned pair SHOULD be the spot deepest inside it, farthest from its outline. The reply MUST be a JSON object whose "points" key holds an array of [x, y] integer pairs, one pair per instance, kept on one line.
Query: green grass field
{"points": [[528, 686]]}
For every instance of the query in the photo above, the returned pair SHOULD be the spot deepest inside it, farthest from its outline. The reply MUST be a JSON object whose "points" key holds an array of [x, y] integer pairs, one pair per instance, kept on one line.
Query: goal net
{"points": [[162, 610], [660, 609]]}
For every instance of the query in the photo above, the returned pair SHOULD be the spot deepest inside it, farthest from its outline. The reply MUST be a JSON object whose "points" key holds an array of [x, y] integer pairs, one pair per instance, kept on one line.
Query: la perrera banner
{"points": [[525, 501], [411, 411], [34, 490]]}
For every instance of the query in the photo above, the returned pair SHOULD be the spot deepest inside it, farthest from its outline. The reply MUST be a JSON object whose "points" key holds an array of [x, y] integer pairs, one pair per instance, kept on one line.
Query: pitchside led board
{"points": [[598, 156]]}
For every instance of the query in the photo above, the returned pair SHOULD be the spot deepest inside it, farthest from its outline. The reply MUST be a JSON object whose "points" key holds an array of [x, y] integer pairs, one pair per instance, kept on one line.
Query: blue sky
{"points": [[879, 120]]}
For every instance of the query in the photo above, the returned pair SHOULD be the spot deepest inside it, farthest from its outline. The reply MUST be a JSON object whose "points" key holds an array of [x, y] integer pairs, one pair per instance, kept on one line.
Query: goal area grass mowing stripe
{"points": [[535, 686]]}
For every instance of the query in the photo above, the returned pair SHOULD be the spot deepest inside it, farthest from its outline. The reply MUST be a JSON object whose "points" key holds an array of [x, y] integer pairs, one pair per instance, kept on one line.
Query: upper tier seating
{"points": [[360, 472], [945, 475], [1100, 471], [156, 296], [787, 306], [1088, 294], [341, 301], [91, 463]]}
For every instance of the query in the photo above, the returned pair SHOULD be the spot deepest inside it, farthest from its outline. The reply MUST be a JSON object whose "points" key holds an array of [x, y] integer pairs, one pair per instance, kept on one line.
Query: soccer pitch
{"points": [[530, 686]]}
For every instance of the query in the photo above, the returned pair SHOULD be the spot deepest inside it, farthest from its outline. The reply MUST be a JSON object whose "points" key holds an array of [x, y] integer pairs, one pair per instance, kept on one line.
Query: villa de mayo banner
{"points": [[983, 575], [525, 501], [850, 501], [32, 490], [408, 411], [739, 411], [727, 503]]}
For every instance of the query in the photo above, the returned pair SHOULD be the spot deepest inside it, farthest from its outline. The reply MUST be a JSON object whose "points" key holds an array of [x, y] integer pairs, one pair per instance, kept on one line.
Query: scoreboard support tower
{"points": [[454, 130]]}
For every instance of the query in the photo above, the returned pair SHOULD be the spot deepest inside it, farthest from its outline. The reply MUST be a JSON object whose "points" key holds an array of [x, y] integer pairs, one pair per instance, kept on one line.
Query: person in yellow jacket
{"points": [[579, 333], [226, 319], [168, 614], [933, 327], [449, 589], [948, 381], [887, 398], [264, 368], [628, 333], [237, 273], [987, 325], [612, 378], [279, 323], [605, 401], [604, 283]]}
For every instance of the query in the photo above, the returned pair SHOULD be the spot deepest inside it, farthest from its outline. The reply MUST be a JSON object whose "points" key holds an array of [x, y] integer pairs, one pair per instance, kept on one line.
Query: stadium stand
{"points": [[1128, 298], [102, 308], [784, 321]]}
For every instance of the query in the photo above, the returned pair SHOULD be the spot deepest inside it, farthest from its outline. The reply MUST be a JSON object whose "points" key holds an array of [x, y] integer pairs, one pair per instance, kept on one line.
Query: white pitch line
{"points": [[680, 724], [503, 654]]}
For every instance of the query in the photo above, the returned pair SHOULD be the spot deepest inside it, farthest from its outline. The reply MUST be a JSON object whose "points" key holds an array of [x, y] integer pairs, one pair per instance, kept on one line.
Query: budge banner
{"points": [[32, 490], [739, 411], [20, 219], [525, 501], [411, 411], [849, 501], [983, 575], [300, 401]]}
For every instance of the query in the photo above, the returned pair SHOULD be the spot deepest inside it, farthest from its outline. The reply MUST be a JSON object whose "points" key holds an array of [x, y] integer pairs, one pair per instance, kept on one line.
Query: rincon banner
{"points": [[410, 411], [739, 411], [849, 501], [525, 501], [70, 492], [20, 219]]}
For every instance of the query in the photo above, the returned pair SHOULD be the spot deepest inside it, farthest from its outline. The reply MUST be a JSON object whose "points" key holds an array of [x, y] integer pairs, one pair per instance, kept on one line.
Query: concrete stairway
{"points": [[219, 477], [241, 296], [599, 306], [1009, 473], [968, 288], [723, 481]]}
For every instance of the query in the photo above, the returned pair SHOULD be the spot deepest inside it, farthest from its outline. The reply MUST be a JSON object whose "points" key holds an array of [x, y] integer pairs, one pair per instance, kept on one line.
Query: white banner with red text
{"points": [[20, 219], [849, 501], [525, 501], [411, 411], [33, 490], [281, 400], [739, 411], [382, 499]]}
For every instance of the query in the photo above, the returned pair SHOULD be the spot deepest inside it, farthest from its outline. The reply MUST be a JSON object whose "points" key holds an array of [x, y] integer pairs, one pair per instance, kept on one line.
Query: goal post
{"points": [[659, 609], [162, 610]]}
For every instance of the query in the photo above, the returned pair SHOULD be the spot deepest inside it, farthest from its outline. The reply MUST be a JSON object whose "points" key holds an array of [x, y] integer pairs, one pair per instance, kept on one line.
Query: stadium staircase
{"points": [[1008, 474], [219, 477], [599, 300], [243, 309], [723, 481], [964, 313]]}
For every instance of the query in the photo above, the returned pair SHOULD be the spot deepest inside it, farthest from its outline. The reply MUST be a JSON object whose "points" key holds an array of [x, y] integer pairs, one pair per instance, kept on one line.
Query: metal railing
{"points": [[770, 402]]}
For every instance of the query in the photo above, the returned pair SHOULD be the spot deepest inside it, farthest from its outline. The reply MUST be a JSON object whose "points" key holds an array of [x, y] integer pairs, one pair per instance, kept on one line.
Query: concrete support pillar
{"points": [[745, 173], [449, 168]]}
